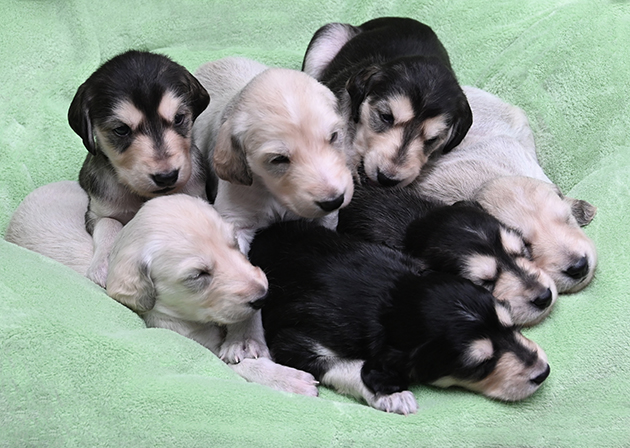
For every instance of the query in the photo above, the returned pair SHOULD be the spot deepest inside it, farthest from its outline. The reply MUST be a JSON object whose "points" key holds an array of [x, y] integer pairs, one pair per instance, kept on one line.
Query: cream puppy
{"points": [[274, 137], [496, 165], [176, 264]]}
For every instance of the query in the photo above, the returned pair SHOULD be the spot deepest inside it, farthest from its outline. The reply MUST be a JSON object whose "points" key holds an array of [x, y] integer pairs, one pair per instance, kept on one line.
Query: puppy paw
{"points": [[400, 403], [233, 352], [287, 379], [98, 273]]}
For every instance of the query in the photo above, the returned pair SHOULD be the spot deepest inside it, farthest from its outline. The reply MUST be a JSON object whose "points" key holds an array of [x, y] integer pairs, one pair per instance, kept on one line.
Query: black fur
{"points": [[365, 301], [390, 56]]}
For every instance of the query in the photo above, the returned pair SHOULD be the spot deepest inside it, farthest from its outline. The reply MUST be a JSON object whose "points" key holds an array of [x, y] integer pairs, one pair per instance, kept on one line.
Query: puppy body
{"points": [[460, 239], [275, 139], [496, 165], [176, 264], [362, 319], [397, 90], [134, 115]]}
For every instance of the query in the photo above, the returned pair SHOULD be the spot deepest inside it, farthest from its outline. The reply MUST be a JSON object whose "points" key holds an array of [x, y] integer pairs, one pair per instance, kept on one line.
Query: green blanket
{"points": [[78, 369]]}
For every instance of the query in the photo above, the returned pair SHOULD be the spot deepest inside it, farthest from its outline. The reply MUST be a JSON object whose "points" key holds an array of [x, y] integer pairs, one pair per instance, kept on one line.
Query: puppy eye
{"points": [[333, 137], [179, 119], [487, 284], [201, 276], [279, 160], [430, 141], [386, 118], [122, 131]]}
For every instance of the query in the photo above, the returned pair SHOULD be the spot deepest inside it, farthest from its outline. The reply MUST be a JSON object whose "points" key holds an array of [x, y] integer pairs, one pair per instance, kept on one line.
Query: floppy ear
{"points": [[358, 87], [462, 121], [230, 162], [197, 95], [129, 281], [79, 117], [583, 211]]}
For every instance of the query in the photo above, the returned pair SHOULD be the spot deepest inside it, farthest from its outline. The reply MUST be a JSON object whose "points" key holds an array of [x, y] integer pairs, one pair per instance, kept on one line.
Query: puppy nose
{"points": [[542, 377], [543, 300], [386, 181], [579, 269], [165, 179], [258, 303], [329, 206]]}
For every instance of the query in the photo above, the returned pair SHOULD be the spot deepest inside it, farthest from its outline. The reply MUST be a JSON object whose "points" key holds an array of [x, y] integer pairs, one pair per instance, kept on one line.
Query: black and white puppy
{"points": [[398, 91], [361, 318], [460, 239], [134, 115]]}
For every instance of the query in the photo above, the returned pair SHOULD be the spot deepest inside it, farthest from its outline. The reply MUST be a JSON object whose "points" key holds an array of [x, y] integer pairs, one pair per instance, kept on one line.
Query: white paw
{"points": [[234, 351], [287, 379], [97, 272], [400, 403]]}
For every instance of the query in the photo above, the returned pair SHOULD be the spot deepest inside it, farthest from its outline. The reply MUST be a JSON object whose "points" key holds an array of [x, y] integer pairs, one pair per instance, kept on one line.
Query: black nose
{"points": [[542, 377], [165, 179], [329, 206], [543, 300], [579, 269], [258, 303], [386, 181]]}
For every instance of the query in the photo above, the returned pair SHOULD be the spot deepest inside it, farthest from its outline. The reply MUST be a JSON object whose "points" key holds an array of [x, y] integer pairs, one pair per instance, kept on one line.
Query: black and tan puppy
{"points": [[135, 115], [361, 318], [397, 90], [460, 239]]}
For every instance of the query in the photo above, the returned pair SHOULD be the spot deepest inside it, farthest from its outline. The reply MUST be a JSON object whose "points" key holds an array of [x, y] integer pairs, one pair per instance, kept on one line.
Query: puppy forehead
{"points": [[401, 108], [512, 241], [480, 350], [169, 105], [482, 266], [434, 126]]}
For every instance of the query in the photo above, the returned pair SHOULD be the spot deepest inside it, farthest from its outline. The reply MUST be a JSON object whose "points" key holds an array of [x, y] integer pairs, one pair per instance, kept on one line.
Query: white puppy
{"points": [[275, 139], [496, 164], [176, 263]]}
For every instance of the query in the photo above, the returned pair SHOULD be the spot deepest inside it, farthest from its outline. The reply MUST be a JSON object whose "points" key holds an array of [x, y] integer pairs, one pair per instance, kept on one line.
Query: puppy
{"points": [[461, 239], [398, 94], [176, 264], [275, 139], [134, 115], [489, 166], [361, 319]]}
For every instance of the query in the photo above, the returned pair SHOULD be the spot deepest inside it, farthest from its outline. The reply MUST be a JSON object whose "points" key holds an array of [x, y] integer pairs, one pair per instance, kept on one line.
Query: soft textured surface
{"points": [[78, 369]]}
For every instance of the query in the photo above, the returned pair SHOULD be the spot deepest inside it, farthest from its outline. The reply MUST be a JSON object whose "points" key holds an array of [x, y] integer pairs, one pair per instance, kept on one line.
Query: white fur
{"points": [[176, 263], [325, 48]]}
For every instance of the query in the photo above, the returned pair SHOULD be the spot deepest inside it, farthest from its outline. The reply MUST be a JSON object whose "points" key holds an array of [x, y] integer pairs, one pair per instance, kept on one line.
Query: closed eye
{"points": [[279, 159], [122, 131], [430, 141], [386, 118]]}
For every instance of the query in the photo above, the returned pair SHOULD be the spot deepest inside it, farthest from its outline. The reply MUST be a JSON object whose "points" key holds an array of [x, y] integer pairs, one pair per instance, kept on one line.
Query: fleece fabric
{"points": [[79, 369]]}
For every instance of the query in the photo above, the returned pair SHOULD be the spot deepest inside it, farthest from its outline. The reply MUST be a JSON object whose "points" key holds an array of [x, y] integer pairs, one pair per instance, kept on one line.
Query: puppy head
{"points": [[137, 109], [178, 257], [550, 224], [405, 111], [285, 131], [471, 342], [464, 240]]}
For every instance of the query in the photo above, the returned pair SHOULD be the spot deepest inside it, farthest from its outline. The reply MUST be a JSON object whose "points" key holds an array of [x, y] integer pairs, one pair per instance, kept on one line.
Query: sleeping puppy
{"points": [[398, 94], [461, 239], [176, 264], [134, 115], [362, 319], [496, 165], [275, 139]]}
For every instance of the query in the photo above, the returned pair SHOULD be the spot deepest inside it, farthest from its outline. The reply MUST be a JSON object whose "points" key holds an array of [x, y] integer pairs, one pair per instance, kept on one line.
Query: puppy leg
{"points": [[345, 377], [266, 372], [244, 340], [104, 234]]}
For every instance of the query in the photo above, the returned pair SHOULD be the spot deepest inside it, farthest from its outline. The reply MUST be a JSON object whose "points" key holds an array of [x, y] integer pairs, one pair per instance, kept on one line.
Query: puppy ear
{"points": [[462, 121], [583, 211], [79, 117], [230, 162], [358, 87], [129, 281], [198, 95]]}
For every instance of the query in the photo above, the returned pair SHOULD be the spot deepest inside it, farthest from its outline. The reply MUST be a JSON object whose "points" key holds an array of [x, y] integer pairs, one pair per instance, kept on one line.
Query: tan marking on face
{"points": [[504, 316], [479, 351], [480, 268], [169, 106], [401, 108], [433, 127], [128, 114], [512, 242]]}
